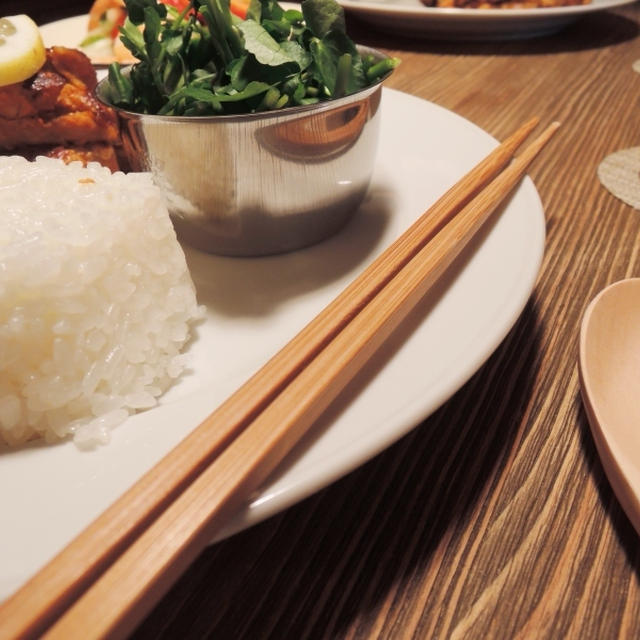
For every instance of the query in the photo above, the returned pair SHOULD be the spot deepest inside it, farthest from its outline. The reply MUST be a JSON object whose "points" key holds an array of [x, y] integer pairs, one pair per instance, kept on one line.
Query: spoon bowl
{"points": [[609, 366]]}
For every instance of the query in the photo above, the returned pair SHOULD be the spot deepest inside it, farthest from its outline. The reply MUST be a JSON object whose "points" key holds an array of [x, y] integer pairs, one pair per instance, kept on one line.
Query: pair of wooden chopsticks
{"points": [[114, 572]]}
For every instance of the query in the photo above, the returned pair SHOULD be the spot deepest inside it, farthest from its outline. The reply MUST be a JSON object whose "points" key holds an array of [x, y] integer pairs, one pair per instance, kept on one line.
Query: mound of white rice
{"points": [[95, 299]]}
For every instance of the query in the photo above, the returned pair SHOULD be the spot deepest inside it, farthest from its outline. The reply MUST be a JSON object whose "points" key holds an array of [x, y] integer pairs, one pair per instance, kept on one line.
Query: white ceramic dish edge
{"points": [[65, 489]]}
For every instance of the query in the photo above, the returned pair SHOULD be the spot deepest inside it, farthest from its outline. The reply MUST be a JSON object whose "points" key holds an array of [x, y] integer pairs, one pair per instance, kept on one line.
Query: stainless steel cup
{"points": [[260, 183]]}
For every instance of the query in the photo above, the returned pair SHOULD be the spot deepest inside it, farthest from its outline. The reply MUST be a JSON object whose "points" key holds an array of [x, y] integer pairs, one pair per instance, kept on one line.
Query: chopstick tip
{"points": [[531, 124], [553, 127]]}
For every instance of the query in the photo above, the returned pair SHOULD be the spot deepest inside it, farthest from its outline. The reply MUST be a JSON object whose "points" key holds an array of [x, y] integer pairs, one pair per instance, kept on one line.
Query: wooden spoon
{"points": [[610, 382]]}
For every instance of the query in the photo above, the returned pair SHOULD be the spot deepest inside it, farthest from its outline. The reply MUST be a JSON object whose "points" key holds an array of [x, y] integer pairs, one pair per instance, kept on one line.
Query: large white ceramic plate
{"points": [[49, 493], [411, 16]]}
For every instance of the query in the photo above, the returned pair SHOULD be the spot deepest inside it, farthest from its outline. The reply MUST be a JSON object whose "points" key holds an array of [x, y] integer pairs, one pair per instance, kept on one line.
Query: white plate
{"points": [[255, 305], [411, 16], [68, 32]]}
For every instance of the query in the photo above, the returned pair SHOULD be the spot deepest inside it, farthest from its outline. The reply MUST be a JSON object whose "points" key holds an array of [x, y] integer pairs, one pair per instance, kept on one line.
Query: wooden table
{"points": [[493, 518]]}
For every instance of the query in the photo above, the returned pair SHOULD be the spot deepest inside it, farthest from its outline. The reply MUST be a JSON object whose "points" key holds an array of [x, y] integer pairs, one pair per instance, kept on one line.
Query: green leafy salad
{"points": [[205, 60]]}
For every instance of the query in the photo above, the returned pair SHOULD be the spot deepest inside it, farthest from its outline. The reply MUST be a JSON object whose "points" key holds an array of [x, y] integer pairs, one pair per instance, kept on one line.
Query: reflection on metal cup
{"points": [[260, 183]]}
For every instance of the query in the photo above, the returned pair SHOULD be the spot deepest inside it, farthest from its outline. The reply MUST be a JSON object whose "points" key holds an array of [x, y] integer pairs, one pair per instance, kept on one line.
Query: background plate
{"points": [[411, 16], [68, 32], [255, 305]]}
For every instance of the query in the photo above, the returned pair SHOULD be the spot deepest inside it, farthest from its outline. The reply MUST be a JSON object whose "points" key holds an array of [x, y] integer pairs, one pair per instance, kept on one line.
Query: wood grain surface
{"points": [[493, 518]]}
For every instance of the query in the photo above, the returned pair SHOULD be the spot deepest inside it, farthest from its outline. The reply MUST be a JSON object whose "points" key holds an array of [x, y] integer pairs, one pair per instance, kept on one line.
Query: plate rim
{"points": [[268, 504], [441, 23], [497, 15], [273, 500]]}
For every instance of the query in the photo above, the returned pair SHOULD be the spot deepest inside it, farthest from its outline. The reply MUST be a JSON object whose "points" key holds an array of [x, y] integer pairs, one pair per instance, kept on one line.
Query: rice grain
{"points": [[96, 300]]}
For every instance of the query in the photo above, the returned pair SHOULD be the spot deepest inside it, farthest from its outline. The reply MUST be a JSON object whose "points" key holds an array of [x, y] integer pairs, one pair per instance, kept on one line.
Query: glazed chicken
{"points": [[55, 113]]}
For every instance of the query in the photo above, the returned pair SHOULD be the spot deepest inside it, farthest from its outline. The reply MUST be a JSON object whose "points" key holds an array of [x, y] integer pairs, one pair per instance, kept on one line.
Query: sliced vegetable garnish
{"points": [[22, 52]]}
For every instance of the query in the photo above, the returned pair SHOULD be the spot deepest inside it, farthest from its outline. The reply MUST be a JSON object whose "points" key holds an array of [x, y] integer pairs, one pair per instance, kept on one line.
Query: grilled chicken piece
{"points": [[76, 128], [56, 106], [101, 152], [73, 65], [96, 152]]}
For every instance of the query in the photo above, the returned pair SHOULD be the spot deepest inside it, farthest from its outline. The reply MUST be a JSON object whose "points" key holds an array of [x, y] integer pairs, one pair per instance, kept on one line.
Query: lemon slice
{"points": [[22, 51]]}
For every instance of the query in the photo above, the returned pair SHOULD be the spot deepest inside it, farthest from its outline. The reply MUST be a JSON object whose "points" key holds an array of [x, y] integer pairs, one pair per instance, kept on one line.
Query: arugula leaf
{"points": [[136, 9], [278, 29], [132, 39], [151, 33], [297, 53], [173, 44], [271, 10], [251, 90], [258, 42], [120, 86], [325, 64], [254, 12], [215, 23], [323, 16], [236, 74]]}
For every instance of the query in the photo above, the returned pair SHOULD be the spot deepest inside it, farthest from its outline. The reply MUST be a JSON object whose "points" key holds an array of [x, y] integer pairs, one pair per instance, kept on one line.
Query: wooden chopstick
{"points": [[42, 599], [131, 586]]}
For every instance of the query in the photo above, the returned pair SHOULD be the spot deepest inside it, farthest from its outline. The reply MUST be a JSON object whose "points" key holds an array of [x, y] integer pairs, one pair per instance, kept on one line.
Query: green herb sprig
{"points": [[204, 60]]}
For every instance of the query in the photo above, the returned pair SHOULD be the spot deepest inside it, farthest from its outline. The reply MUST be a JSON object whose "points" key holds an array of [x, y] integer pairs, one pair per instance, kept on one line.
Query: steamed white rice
{"points": [[95, 299]]}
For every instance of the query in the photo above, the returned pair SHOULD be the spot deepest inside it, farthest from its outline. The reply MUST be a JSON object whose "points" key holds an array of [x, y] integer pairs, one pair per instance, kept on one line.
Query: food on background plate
{"points": [[205, 60], [95, 299], [52, 110], [503, 4], [102, 43]]}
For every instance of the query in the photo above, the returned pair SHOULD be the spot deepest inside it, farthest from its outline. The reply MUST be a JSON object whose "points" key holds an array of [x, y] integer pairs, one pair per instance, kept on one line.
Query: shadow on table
{"points": [[342, 551], [600, 29], [625, 533]]}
